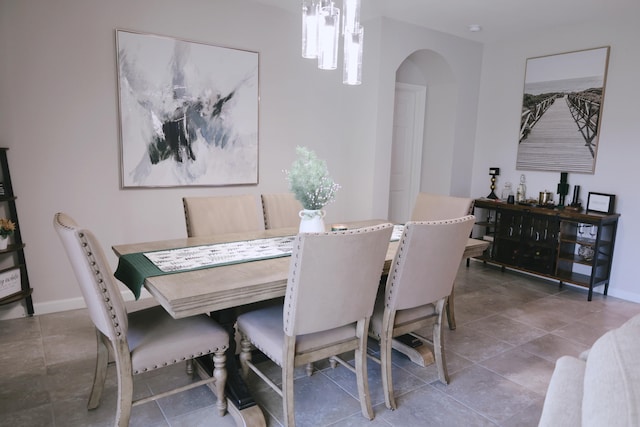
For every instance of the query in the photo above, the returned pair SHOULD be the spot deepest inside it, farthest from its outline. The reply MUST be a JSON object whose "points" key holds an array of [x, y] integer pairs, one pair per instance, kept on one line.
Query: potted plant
{"points": [[7, 227], [313, 187]]}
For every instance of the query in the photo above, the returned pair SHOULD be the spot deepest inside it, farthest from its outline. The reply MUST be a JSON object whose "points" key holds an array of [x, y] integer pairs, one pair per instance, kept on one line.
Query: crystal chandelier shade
{"points": [[310, 12], [328, 36], [321, 28], [352, 66]]}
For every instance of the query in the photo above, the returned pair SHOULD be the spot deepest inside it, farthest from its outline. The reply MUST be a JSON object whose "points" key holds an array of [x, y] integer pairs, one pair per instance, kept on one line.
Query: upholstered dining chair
{"points": [[434, 207], [420, 280], [281, 210], [210, 215], [140, 341], [331, 289]]}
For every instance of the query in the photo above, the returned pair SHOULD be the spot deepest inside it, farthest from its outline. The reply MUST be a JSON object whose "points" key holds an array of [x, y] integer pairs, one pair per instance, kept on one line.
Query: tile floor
{"points": [[511, 329]]}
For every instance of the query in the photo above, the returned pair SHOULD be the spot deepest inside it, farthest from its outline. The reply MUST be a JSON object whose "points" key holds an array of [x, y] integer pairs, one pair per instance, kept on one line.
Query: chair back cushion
{"points": [[435, 207], [281, 210], [94, 275], [207, 216], [334, 278], [426, 262]]}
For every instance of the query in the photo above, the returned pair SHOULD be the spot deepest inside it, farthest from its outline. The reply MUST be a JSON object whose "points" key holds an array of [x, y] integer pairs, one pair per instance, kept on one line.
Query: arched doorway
{"points": [[424, 131]]}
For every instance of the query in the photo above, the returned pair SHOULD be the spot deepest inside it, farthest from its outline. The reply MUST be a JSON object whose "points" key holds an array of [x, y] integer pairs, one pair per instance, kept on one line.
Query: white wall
{"points": [[619, 152], [58, 115]]}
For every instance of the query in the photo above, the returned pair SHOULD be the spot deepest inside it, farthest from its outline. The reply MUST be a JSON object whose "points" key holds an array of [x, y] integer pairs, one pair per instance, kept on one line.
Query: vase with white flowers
{"points": [[313, 187], [7, 227]]}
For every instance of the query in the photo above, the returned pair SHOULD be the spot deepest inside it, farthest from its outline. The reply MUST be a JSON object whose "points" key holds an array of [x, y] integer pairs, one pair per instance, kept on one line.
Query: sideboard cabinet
{"points": [[561, 244]]}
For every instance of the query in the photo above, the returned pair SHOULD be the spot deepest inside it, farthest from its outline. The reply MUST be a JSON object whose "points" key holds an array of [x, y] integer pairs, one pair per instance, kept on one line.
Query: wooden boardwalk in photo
{"points": [[555, 142]]}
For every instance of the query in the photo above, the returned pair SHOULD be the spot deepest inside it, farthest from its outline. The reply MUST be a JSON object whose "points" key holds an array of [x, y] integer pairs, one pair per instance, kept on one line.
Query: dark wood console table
{"points": [[561, 244]]}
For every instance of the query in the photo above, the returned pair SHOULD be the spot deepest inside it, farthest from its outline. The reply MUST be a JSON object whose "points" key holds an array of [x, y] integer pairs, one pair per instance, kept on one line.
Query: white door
{"points": [[406, 151]]}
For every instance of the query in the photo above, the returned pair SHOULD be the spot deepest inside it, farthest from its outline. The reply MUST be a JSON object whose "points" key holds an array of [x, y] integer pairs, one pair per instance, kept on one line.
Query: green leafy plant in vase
{"points": [[313, 187]]}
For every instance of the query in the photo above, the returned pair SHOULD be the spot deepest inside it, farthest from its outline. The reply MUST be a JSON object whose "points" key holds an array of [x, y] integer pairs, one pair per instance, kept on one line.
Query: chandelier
{"points": [[321, 28]]}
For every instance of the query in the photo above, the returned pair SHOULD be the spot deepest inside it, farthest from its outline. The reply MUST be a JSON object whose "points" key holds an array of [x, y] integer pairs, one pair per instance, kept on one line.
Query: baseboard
{"points": [[19, 309], [628, 296]]}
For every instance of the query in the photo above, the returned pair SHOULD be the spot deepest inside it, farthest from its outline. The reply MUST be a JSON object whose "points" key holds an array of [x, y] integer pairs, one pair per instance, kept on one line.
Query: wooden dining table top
{"points": [[206, 290]]}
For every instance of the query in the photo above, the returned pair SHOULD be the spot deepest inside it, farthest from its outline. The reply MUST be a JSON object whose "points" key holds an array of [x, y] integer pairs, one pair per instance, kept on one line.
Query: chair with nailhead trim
{"points": [[211, 215], [331, 289], [140, 341], [280, 210], [420, 280], [436, 207]]}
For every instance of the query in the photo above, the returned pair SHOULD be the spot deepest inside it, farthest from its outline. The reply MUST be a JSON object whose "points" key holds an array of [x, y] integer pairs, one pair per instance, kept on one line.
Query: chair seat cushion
{"points": [[156, 339], [402, 316], [264, 328]]}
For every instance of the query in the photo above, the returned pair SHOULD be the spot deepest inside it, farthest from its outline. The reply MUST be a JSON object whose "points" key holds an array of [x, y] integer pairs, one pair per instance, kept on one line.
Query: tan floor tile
{"points": [[511, 330]]}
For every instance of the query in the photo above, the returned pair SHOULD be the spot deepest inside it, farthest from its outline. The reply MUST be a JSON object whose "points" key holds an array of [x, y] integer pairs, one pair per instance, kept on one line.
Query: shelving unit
{"points": [[14, 280], [565, 245], [585, 257], [485, 229]]}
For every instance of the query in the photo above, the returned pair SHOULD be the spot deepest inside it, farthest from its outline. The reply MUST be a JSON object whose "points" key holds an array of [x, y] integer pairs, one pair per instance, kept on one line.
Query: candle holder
{"points": [[493, 172], [575, 202]]}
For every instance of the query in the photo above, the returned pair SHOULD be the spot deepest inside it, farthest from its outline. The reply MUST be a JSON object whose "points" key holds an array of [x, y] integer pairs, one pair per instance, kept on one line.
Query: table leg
{"points": [[241, 405], [247, 417]]}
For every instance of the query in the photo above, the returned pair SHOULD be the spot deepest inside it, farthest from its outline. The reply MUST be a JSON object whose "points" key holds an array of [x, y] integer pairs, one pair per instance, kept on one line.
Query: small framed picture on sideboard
{"points": [[601, 203]]}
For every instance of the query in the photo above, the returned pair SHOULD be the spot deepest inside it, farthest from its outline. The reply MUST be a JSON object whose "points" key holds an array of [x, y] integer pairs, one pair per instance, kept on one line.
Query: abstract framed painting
{"points": [[188, 112], [562, 110]]}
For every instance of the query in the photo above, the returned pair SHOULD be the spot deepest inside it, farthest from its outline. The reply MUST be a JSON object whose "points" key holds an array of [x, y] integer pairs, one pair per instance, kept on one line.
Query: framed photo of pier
{"points": [[561, 111], [188, 112]]}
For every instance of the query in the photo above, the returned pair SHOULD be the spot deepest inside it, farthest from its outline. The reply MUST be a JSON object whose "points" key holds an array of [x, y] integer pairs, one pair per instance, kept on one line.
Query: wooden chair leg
{"points": [[360, 357], [100, 374], [385, 367], [438, 350], [220, 374], [288, 411], [125, 383], [309, 369], [451, 317]]}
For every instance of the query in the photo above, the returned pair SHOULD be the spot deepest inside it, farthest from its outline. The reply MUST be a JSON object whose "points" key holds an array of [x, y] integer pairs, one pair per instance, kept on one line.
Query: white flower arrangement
{"points": [[309, 180]]}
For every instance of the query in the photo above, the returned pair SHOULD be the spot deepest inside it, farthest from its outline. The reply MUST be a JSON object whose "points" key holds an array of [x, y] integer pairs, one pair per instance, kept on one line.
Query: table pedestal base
{"points": [[420, 355], [240, 403], [247, 416]]}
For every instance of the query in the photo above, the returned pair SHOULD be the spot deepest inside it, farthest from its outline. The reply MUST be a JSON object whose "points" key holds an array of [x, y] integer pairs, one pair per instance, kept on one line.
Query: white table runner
{"points": [[218, 254]]}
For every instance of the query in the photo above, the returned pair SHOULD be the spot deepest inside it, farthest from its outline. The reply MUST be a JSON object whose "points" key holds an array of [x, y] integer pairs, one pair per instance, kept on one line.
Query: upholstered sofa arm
{"points": [[612, 378], [563, 402]]}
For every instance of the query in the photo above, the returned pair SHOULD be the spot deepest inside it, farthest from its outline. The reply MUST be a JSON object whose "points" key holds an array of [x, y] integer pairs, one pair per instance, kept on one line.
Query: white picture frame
{"points": [[188, 112], [10, 281]]}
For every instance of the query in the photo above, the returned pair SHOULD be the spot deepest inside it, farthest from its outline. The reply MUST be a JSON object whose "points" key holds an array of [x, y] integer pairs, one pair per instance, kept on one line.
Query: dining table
{"points": [[225, 283]]}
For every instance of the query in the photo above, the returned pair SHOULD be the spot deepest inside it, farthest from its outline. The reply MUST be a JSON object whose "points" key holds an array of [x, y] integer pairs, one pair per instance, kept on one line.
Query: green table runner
{"points": [[134, 268]]}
